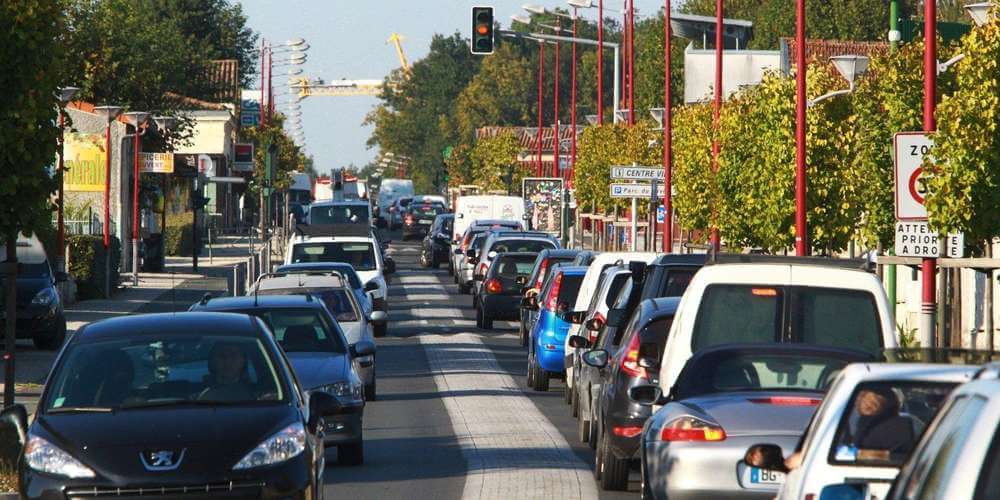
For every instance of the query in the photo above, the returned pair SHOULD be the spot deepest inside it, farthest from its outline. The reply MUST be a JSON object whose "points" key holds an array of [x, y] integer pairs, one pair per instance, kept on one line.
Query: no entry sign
{"points": [[911, 188]]}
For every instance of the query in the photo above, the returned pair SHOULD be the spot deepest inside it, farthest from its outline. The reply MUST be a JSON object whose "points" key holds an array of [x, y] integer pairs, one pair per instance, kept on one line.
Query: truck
{"points": [[468, 209], [391, 190]]}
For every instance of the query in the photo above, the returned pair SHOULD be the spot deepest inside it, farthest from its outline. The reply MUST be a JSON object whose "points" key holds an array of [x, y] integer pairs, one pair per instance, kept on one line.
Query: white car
{"points": [[757, 298], [587, 298], [358, 247], [870, 420], [335, 292], [499, 241], [462, 270]]}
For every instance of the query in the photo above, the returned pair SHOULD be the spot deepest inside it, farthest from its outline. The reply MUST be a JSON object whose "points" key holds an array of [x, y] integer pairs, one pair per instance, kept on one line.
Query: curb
{"points": [[8, 496]]}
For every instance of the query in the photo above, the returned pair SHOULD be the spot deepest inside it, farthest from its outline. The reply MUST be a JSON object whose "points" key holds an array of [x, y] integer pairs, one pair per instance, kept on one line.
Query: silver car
{"points": [[726, 399]]}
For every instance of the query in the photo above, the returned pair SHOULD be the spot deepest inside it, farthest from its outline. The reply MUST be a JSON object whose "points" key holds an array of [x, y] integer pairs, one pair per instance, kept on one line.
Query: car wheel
{"points": [[614, 476], [598, 460], [479, 318], [423, 261], [539, 376], [380, 331], [645, 493], [351, 454], [595, 429], [567, 397], [451, 269], [574, 403], [463, 288], [487, 320], [583, 429], [50, 342], [370, 391], [434, 262], [530, 380]]}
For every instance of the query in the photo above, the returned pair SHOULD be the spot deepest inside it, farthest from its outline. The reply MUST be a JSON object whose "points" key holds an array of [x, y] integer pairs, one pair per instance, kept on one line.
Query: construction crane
{"points": [[308, 87]]}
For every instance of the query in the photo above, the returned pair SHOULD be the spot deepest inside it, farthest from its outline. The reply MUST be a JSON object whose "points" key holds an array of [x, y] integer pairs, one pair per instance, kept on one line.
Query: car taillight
{"points": [[691, 429], [493, 285], [541, 273], [594, 333], [482, 268], [786, 401], [552, 301], [465, 242], [409, 219], [627, 431], [630, 362]]}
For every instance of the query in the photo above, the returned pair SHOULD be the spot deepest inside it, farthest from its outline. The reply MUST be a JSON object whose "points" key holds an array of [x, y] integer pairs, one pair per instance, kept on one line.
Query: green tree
{"points": [[289, 155], [494, 163], [696, 188], [497, 95], [31, 51], [604, 146], [963, 191], [460, 166]]}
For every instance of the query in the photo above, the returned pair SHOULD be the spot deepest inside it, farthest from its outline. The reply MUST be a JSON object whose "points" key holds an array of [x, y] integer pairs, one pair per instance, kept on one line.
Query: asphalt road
{"points": [[412, 447]]}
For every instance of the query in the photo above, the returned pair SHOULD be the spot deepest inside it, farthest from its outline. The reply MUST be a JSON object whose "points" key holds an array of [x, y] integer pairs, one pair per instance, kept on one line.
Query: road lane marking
{"points": [[511, 448]]}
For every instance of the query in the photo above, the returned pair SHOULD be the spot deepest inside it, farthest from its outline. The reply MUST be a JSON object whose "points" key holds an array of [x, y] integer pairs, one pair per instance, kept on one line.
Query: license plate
{"points": [[425, 222], [766, 476]]}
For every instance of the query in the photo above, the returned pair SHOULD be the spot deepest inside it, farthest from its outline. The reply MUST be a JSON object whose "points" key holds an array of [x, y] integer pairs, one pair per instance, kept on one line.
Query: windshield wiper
{"points": [[79, 409]]}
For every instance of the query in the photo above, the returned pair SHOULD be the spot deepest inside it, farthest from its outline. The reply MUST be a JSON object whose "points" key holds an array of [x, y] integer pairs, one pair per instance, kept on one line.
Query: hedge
{"points": [[86, 264], [177, 240]]}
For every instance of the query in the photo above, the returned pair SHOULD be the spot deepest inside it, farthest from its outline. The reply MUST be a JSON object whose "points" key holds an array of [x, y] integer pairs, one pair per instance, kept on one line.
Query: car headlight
{"points": [[44, 456], [45, 297], [284, 445], [352, 392]]}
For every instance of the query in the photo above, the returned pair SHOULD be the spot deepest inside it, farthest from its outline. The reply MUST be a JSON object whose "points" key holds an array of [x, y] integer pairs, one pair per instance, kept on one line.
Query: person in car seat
{"points": [[228, 379]]}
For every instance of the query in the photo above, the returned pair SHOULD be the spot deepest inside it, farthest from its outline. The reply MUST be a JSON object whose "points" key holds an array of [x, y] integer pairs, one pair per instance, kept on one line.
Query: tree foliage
{"points": [[289, 154], [32, 54], [494, 163], [695, 184], [496, 95], [964, 190], [600, 148]]}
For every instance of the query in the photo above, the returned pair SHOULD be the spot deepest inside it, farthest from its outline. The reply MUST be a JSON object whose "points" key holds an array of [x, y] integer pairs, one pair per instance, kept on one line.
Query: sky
{"points": [[347, 39]]}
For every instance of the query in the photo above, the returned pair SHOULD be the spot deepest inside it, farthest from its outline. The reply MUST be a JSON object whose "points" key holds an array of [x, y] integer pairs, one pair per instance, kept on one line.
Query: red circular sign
{"points": [[916, 187]]}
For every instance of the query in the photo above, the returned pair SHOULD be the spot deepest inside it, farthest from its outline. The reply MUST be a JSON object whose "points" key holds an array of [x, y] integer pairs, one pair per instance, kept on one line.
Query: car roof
{"points": [[531, 255], [493, 222], [651, 309], [307, 231], [341, 267], [300, 280], [673, 259], [916, 372], [859, 265], [126, 327], [562, 267], [247, 302], [521, 234]]}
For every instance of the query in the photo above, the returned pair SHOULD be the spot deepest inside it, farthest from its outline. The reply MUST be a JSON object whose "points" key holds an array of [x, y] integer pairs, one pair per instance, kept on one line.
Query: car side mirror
{"points": [[13, 433], [646, 395], [363, 348], [371, 286], [597, 359], [766, 456], [320, 404], [579, 342], [60, 277], [844, 491], [530, 303], [479, 276], [458, 251], [379, 318], [575, 317], [594, 324]]}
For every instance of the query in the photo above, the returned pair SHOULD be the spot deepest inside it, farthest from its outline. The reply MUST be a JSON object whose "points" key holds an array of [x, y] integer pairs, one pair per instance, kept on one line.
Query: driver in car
{"points": [[879, 432], [228, 379]]}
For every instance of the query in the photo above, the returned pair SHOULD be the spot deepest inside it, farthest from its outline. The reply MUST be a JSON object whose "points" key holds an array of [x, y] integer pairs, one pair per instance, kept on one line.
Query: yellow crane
{"points": [[345, 87]]}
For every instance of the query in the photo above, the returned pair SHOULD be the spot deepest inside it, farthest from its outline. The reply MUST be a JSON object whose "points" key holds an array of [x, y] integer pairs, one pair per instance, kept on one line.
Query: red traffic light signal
{"points": [[482, 30]]}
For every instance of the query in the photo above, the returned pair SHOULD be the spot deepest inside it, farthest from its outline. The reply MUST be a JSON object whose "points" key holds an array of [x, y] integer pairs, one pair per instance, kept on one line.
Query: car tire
{"points": [[50, 342], [567, 394], [574, 403], [423, 261], [583, 428], [598, 460], [434, 262], [530, 380], [645, 492], [479, 318], [451, 268], [487, 320], [614, 475], [351, 454], [464, 289], [370, 391], [595, 428], [539, 377]]}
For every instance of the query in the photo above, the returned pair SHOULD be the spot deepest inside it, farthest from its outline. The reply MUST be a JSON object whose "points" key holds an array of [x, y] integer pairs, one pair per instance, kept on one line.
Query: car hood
{"points": [[353, 331], [367, 276], [314, 369], [213, 438], [757, 412], [28, 287]]}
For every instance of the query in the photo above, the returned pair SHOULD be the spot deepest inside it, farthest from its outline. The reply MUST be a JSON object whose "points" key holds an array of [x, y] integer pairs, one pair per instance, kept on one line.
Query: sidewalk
{"points": [[171, 291]]}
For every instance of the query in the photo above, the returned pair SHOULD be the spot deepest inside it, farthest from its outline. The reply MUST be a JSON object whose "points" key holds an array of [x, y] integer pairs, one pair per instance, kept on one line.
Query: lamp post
{"points": [[109, 113], [136, 119], [66, 94], [928, 306], [717, 107], [572, 113], [668, 149], [801, 228]]}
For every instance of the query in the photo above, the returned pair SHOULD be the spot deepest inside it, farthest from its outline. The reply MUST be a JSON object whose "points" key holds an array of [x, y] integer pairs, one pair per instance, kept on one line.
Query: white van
{"points": [[468, 209]]}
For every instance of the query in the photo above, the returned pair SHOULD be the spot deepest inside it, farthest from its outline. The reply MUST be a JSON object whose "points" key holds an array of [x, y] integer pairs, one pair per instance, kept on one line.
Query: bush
{"points": [[177, 241], [86, 264]]}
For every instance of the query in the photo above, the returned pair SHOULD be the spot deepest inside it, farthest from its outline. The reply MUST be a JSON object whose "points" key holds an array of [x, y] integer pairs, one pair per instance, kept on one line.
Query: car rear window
{"points": [[570, 288], [359, 255], [677, 281], [522, 246], [512, 267], [756, 314], [615, 288]]}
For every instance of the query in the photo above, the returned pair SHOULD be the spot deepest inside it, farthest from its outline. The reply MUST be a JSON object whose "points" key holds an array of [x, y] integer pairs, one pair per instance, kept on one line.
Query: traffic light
{"points": [[482, 30]]}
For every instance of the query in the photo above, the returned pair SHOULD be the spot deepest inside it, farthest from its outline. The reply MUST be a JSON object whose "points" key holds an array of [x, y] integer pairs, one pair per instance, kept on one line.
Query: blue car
{"points": [[548, 334]]}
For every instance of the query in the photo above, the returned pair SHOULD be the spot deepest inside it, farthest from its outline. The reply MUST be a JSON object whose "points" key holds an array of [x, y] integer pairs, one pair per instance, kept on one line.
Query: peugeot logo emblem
{"points": [[161, 460]]}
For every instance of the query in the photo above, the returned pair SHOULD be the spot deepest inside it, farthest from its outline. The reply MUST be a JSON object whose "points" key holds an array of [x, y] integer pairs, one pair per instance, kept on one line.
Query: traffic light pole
{"points": [[195, 196]]}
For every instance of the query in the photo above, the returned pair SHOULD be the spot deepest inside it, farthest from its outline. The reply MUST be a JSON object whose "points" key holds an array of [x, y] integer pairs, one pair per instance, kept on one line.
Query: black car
{"points": [[544, 263], [40, 314], [500, 294], [419, 217], [667, 276], [192, 405], [620, 419], [436, 247], [320, 355]]}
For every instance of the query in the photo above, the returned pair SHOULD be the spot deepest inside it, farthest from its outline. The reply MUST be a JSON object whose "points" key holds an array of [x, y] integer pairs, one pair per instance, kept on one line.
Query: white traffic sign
{"points": [[634, 190], [911, 187], [636, 173], [916, 239]]}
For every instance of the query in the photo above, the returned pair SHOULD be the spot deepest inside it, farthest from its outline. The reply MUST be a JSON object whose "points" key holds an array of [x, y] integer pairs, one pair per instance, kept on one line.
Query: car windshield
{"points": [[512, 267], [338, 214], [300, 330], [511, 245], [336, 300], [749, 371], [31, 260], [360, 255], [885, 420], [177, 368], [756, 314]]}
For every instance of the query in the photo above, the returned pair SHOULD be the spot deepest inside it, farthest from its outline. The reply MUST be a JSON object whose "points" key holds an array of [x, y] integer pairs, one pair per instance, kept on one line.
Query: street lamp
{"points": [[136, 119], [108, 113], [520, 18], [979, 12], [849, 67], [657, 114], [66, 95]]}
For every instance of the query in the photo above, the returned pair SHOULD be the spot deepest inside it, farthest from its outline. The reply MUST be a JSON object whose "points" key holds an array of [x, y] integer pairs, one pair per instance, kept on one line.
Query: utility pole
{"points": [[717, 107], [894, 37], [928, 306], [541, 89], [668, 153], [600, 62], [801, 228]]}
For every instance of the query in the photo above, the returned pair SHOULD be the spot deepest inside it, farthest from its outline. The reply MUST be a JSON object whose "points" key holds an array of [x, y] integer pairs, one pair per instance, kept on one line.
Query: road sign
{"points": [[916, 239], [634, 190], [660, 214], [636, 173], [157, 163], [911, 187], [243, 157]]}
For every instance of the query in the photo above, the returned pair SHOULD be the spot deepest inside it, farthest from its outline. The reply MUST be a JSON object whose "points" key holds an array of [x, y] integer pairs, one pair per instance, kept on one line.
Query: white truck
{"points": [[469, 209]]}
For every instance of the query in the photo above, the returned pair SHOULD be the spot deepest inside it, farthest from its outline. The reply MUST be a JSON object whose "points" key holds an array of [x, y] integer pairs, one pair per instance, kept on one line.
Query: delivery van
{"points": [[468, 209]]}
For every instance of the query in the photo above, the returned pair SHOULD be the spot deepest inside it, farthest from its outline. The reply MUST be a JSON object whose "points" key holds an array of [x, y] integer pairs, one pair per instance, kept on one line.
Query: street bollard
{"points": [[236, 280], [210, 245]]}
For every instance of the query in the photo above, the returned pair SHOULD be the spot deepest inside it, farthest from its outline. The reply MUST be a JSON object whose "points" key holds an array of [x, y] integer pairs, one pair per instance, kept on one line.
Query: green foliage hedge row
{"points": [[87, 264], [178, 234]]}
